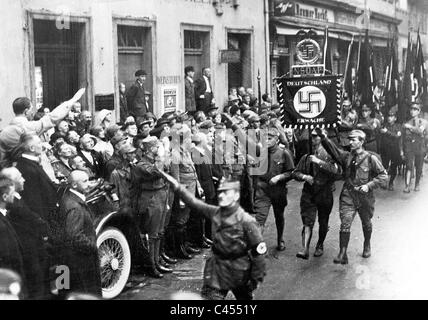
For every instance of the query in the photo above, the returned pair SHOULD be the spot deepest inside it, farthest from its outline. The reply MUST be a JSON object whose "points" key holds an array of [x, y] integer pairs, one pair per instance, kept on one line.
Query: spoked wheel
{"points": [[115, 261]]}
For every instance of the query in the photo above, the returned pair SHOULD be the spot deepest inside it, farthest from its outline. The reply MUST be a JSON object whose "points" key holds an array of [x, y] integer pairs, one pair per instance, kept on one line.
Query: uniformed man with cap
{"points": [[136, 96], [237, 262], [415, 135], [319, 171], [271, 186], [370, 126], [391, 146], [349, 120], [363, 172], [149, 195]]}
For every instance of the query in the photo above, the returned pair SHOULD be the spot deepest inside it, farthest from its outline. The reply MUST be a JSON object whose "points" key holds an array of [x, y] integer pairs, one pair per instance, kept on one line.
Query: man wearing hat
{"points": [[319, 171], [348, 123], [136, 96], [118, 139], [271, 186], [370, 126], [149, 196], [391, 146], [204, 91], [363, 172], [189, 89], [415, 135], [237, 262]]}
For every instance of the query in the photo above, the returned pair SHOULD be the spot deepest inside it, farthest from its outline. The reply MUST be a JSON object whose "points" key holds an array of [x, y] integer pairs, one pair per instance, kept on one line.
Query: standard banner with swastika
{"points": [[309, 102]]}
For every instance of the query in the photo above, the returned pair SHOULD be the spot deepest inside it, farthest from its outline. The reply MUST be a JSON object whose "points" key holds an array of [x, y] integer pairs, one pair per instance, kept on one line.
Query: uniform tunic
{"points": [[235, 233]]}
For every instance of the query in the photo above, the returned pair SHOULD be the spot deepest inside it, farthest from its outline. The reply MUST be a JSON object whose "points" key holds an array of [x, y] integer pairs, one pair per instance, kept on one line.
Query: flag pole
{"points": [[348, 58]]}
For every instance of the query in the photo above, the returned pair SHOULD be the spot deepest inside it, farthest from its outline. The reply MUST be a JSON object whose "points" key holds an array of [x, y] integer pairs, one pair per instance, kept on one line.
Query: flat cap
{"points": [[207, 124], [357, 134], [273, 132], [229, 185], [149, 142], [253, 118], [415, 106], [126, 148], [140, 73]]}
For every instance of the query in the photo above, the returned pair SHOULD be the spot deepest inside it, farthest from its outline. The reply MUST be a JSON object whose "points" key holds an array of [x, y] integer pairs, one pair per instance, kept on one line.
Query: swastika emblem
{"points": [[309, 102]]}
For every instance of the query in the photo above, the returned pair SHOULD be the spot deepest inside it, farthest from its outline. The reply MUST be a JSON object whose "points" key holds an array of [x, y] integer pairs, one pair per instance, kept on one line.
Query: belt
{"points": [[230, 256]]}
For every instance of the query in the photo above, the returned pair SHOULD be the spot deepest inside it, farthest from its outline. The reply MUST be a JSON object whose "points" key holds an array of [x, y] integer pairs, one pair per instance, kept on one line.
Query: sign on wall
{"points": [[230, 56], [309, 102], [169, 98]]}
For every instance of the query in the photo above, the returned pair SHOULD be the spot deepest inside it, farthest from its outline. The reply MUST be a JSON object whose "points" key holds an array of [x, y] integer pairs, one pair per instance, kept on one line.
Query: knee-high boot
{"points": [[163, 255], [180, 248], [367, 230], [159, 267], [342, 258], [151, 267], [322, 233]]}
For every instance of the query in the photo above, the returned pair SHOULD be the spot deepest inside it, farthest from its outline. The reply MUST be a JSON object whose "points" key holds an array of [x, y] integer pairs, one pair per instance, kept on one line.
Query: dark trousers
{"points": [[311, 204], [390, 161]]}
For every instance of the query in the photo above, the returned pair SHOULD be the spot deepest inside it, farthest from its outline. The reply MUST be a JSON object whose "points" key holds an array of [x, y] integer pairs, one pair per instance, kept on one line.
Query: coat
{"points": [[10, 248], [136, 98], [123, 107], [98, 167], [40, 193], [189, 87], [79, 250], [203, 98], [32, 233]]}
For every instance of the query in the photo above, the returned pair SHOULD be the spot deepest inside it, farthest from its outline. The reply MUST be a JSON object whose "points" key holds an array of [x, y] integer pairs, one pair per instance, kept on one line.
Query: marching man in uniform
{"points": [[363, 172], [237, 262]]}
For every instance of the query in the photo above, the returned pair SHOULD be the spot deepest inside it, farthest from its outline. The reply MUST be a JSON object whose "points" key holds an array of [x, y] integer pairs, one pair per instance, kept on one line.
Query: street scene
{"points": [[213, 150]]}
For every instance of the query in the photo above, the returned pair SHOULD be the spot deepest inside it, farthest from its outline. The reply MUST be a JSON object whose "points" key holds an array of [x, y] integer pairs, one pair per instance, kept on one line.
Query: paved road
{"points": [[396, 270]]}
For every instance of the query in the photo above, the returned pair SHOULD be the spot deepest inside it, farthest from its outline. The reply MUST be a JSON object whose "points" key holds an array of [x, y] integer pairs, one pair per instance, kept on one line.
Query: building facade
{"points": [[57, 46], [345, 21]]}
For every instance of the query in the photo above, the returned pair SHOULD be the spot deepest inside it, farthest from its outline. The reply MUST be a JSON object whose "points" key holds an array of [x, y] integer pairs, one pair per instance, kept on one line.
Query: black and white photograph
{"points": [[213, 150]]}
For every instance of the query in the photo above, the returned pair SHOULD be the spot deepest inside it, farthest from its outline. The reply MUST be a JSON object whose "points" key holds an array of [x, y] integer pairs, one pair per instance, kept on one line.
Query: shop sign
{"points": [[309, 102], [293, 8], [169, 98], [230, 56]]}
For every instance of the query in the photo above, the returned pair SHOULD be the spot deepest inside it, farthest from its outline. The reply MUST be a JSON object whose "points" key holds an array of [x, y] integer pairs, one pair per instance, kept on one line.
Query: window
{"points": [[193, 40], [129, 37]]}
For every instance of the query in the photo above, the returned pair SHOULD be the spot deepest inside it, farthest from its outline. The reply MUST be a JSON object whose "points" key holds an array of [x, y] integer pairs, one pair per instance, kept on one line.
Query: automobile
{"points": [[118, 239]]}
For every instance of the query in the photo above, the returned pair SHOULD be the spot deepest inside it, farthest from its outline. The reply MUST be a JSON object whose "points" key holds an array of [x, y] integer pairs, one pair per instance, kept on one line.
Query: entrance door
{"points": [[239, 73], [60, 65], [135, 53]]}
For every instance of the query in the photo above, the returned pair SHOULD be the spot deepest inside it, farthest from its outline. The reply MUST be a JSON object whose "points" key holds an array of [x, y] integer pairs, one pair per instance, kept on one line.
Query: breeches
{"points": [[264, 200], [311, 204], [152, 204], [350, 203]]}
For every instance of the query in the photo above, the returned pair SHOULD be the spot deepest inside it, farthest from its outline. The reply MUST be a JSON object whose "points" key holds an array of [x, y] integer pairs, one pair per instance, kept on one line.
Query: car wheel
{"points": [[115, 261]]}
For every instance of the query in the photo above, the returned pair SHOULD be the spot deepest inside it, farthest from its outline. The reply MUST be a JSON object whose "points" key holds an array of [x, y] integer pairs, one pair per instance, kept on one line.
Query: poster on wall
{"points": [[169, 98], [309, 102]]}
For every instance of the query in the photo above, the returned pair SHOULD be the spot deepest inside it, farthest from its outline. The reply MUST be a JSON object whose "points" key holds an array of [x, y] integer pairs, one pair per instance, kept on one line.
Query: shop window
{"points": [[129, 37]]}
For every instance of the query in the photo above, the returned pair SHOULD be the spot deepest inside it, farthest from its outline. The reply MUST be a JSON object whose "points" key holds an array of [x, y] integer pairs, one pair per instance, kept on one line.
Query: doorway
{"points": [[134, 44], [239, 73], [60, 62]]}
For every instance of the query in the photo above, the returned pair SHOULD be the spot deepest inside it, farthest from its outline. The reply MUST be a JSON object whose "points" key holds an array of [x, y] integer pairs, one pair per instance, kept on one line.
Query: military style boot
{"points": [[151, 267], [322, 233], [306, 241], [163, 255], [408, 178], [180, 247], [367, 236], [342, 258], [161, 268]]}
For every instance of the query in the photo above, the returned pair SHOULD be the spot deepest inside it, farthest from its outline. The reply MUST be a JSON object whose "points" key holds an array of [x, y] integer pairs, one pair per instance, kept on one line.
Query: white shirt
{"points": [[31, 157], [17, 196], [80, 195], [207, 82], [3, 212], [88, 156]]}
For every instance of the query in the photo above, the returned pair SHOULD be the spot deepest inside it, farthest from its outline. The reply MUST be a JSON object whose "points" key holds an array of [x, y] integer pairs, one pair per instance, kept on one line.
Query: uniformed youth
{"points": [[415, 132], [363, 172], [271, 186], [319, 171], [237, 262]]}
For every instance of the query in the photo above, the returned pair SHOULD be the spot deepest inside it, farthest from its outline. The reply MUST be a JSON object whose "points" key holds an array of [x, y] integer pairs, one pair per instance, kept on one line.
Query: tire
{"points": [[115, 261]]}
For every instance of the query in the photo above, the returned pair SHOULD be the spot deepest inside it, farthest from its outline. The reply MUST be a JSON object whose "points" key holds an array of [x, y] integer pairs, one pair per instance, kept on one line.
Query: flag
{"points": [[407, 83], [365, 72], [327, 55], [391, 79], [420, 74], [348, 72]]}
